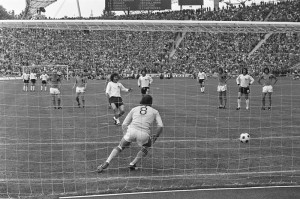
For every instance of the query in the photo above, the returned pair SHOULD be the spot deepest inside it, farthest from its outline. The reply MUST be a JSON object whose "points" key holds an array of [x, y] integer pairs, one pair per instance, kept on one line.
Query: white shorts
{"points": [[80, 90], [222, 88], [267, 89], [54, 91], [138, 136]]}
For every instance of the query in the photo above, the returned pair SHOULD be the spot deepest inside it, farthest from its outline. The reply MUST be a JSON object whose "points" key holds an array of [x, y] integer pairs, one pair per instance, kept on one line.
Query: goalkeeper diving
{"points": [[136, 128]]}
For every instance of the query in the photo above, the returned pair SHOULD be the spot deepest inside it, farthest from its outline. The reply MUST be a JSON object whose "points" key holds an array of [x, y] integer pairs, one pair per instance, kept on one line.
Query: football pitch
{"points": [[48, 153]]}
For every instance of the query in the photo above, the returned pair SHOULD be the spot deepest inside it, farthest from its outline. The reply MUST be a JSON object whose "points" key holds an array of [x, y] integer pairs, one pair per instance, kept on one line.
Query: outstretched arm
{"points": [[126, 122], [159, 128], [151, 79], [125, 89]]}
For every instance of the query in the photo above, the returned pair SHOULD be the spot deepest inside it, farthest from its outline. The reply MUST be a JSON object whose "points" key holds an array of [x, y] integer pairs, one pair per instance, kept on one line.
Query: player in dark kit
{"points": [[267, 88], [80, 84], [55, 89]]}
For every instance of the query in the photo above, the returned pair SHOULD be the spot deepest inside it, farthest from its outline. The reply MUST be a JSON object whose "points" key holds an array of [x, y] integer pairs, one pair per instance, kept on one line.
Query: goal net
{"points": [[45, 151]]}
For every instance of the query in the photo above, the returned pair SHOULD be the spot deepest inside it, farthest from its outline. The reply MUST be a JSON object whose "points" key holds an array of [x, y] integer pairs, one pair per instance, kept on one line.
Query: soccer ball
{"points": [[244, 137]]}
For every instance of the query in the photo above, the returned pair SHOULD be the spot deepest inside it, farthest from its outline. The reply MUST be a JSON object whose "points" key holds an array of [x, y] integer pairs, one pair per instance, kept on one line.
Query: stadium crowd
{"points": [[103, 51]]}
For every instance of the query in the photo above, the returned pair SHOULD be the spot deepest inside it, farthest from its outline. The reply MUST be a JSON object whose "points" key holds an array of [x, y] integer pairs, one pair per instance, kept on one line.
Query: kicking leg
{"points": [[122, 111], [116, 113], [239, 101]]}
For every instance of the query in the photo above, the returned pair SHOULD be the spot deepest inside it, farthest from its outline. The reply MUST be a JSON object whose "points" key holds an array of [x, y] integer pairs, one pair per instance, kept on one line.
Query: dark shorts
{"points": [[33, 81], [144, 90], [201, 81], [244, 90], [44, 82], [26, 81], [116, 100]]}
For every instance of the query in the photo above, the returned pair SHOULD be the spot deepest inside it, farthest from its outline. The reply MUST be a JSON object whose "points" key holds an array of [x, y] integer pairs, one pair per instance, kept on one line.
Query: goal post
{"points": [[47, 151]]}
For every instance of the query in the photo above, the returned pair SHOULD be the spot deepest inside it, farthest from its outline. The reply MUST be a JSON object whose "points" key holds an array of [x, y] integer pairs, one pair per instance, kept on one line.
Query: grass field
{"points": [[46, 152]]}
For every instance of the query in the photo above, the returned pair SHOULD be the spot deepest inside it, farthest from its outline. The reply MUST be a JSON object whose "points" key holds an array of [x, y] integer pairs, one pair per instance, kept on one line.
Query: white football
{"points": [[245, 137]]}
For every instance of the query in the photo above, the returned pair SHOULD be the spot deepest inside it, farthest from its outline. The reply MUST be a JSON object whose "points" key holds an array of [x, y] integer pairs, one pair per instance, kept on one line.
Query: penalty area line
{"points": [[181, 190]]}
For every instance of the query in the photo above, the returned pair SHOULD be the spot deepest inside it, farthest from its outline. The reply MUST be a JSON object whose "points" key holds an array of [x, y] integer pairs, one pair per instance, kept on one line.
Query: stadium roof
{"points": [[33, 5]]}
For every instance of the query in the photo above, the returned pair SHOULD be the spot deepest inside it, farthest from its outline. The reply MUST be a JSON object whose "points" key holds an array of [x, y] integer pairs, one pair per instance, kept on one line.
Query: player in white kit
{"points": [[25, 78], [136, 128], [44, 77], [113, 93], [244, 81], [33, 78], [144, 82], [201, 79]]}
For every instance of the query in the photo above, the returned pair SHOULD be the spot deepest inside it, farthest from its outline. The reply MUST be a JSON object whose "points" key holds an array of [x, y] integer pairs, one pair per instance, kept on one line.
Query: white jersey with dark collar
{"points": [[244, 80], [114, 89], [142, 117]]}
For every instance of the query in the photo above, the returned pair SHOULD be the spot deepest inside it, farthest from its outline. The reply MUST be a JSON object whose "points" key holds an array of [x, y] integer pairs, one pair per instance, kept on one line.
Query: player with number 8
{"points": [[136, 128]]}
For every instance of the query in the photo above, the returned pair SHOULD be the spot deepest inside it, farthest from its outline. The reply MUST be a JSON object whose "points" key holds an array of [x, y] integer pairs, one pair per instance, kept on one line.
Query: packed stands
{"points": [[126, 52]]}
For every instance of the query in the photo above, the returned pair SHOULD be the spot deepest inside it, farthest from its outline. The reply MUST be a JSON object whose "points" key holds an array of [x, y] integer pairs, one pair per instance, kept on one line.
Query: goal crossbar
{"points": [[156, 25]]}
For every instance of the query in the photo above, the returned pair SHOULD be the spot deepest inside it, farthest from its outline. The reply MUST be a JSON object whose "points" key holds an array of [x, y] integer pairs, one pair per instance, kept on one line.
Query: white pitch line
{"points": [[182, 190]]}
